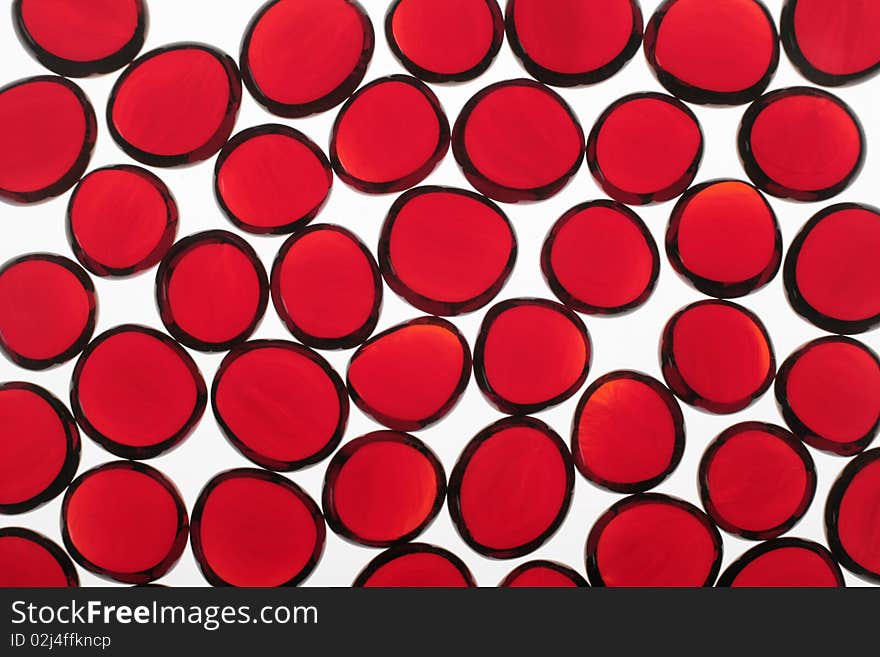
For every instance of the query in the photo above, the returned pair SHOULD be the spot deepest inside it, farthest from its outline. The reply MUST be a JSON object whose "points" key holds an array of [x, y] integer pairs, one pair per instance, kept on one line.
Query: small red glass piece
{"points": [[326, 287], [446, 251], [383, 489], [801, 143], [257, 529], [599, 258], [645, 148], [301, 57], [39, 447], [653, 540], [723, 238], [531, 354], [30, 560], [271, 179], [175, 105], [212, 290], [756, 480], [410, 375], [832, 273], [124, 521], [511, 487], [628, 433], [784, 563], [518, 141], [717, 355], [828, 391], [78, 39], [543, 574], [136, 392], [415, 565], [48, 310], [121, 220], [280, 404], [573, 42], [47, 134]]}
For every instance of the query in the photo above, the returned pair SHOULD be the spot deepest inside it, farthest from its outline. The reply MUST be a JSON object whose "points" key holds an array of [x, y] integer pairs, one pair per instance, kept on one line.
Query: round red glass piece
{"points": [[125, 521], [257, 529], [47, 134], [828, 391], [446, 251], [801, 143], [383, 488], [653, 540], [628, 433], [415, 565], [175, 105], [30, 560], [271, 179], [511, 487], [301, 57], [78, 39], [136, 392], [717, 355], [48, 310], [573, 42], [543, 574], [645, 148], [212, 290], [280, 404], [326, 287], [39, 447], [531, 354], [723, 238], [784, 563], [518, 141], [599, 258], [121, 220], [410, 375], [713, 52], [832, 274], [756, 480], [445, 40]]}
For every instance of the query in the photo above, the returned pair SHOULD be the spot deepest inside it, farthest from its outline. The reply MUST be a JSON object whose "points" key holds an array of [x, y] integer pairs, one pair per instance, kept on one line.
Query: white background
{"points": [[623, 342]]}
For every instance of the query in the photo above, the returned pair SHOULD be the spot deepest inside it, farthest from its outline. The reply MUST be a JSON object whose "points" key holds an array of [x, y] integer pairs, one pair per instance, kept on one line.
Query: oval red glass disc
{"points": [[280, 404], [257, 529], [831, 273], [300, 57], [828, 391], [211, 290], [122, 378], [531, 354], [543, 574], [518, 141], [271, 179], [628, 433], [79, 39], [599, 258], [717, 355], [326, 287], [415, 565], [446, 251], [511, 487], [410, 375], [175, 105], [723, 238], [30, 560], [125, 521], [47, 134], [383, 488], [121, 220], [48, 310], [572, 42], [645, 148], [784, 563], [756, 480], [801, 143]]}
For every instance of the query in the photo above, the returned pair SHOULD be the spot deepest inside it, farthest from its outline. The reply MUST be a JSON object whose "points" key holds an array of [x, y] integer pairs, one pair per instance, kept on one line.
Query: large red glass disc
{"points": [[543, 574], [415, 565], [784, 563], [30, 560]]}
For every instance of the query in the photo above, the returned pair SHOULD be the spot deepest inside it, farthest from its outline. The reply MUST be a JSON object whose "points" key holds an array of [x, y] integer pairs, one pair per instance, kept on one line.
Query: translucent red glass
{"points": [[784, 563], [543, 574], [415, 565], [29, 559]]}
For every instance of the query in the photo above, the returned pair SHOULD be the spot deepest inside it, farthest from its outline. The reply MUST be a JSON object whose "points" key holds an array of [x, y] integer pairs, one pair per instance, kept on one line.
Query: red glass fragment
{"points": [[30, 560], [415, 565], [257, 529], [784, 563], [543, 574], [446, 251]]}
